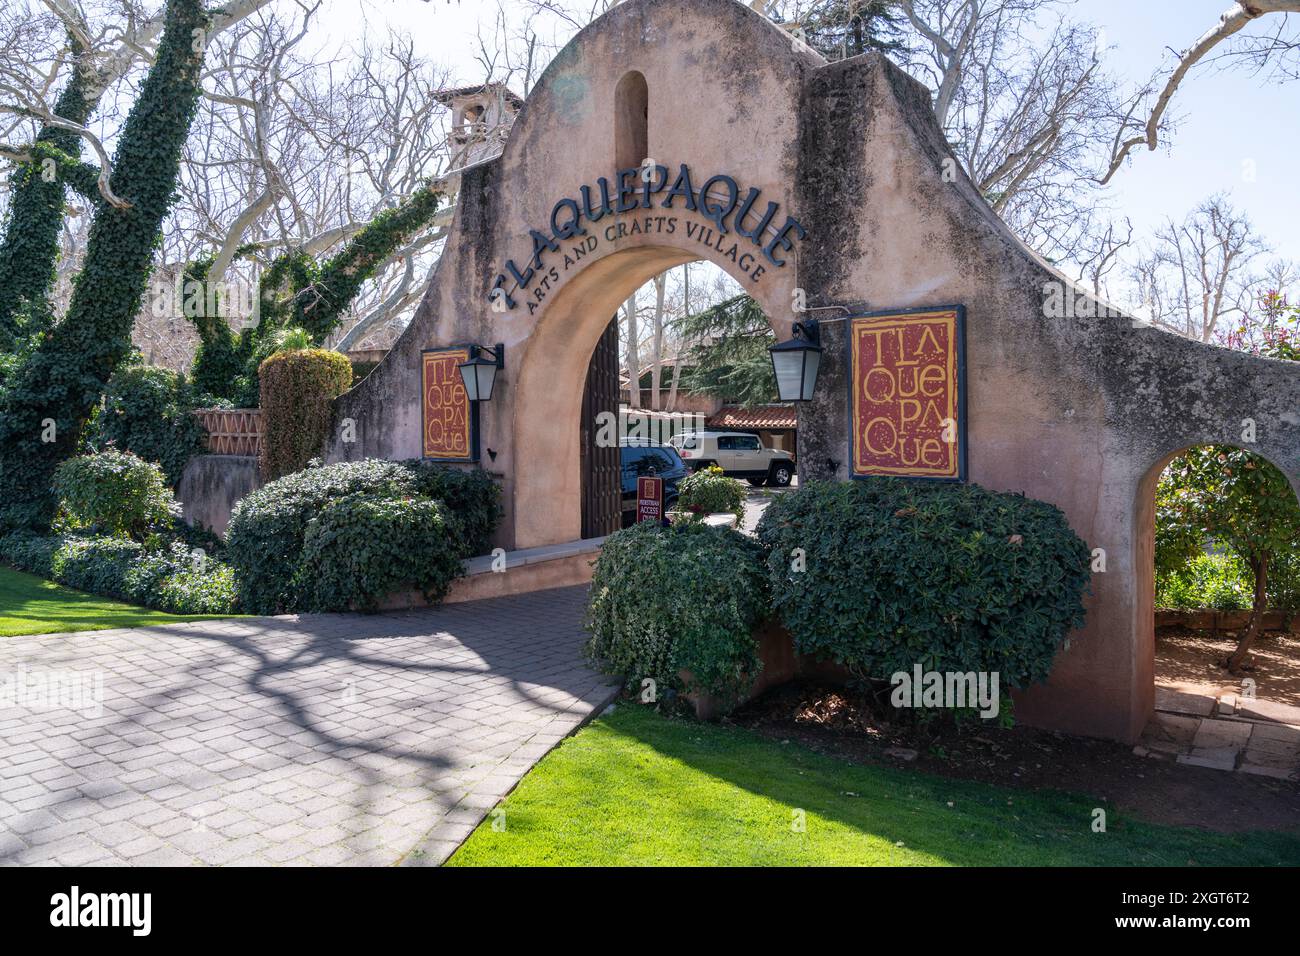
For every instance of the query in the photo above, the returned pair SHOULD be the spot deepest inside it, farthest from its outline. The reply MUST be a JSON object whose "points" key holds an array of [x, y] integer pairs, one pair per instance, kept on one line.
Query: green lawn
{"points": [[31, 605], [635, 788]]}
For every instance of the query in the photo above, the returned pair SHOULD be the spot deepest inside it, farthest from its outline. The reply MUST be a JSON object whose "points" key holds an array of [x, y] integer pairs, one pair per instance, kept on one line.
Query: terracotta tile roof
{"points": [[760, 416]]}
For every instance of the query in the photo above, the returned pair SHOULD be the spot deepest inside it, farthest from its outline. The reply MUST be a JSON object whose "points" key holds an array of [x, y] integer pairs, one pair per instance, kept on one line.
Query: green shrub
{"points": [[1218, 582], [30, 551], [268, 528], [883, 574], [1284, 582], [116, 492], [170, 578], [97, 565], [184, 581], [709, 491], [149, 411], [297, 392], [264, 540], [472, 498], [687, 597], [361, 549]]}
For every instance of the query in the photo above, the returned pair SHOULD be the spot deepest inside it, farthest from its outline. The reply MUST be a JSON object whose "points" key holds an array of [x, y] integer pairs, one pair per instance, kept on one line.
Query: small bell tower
{"points": [[481, 117]]}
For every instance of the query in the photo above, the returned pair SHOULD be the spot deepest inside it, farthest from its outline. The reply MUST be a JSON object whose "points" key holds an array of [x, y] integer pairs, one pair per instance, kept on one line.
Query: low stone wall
{"points": [[515, 572], [211, 486], [1222, 620]]}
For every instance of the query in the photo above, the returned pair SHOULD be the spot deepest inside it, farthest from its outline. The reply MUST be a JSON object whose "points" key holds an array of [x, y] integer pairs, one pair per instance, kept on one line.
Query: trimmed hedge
{"points": [[687, 597], [268, 528], [297, 391], [359, 550], [883, 574], [172, 578]]}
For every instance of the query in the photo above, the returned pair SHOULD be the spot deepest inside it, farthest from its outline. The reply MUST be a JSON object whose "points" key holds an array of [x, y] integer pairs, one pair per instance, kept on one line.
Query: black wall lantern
{"points": [[480, 373], [795, 363]]}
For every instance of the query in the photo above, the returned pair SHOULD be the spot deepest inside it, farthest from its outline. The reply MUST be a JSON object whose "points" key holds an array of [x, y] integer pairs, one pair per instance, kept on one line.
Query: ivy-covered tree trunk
{"points": [[50, 396], [297, 291], [30, 247], [1247, 641]]}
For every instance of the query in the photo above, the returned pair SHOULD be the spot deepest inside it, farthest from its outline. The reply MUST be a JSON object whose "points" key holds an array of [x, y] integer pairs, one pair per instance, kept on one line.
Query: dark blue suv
{"points": [[642, 459]]}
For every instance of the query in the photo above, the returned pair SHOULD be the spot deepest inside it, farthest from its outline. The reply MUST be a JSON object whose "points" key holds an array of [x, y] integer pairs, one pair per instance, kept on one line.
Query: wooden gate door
{"points": [[601, 467]]}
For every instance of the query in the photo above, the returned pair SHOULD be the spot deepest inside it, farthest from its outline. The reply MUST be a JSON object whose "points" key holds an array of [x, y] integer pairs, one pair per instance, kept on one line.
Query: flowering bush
{"points": [[709, 491]]}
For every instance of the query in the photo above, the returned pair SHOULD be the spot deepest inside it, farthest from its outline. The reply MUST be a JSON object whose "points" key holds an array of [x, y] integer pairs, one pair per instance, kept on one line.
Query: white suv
{"points": [[738, 454]]}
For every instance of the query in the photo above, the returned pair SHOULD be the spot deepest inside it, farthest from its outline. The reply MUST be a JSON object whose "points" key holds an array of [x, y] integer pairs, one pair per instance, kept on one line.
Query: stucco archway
{"points": [[1067, 401]]}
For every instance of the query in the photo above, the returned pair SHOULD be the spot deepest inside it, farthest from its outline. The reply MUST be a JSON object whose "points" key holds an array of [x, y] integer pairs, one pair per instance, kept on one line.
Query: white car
{"points": [[738, 454]]}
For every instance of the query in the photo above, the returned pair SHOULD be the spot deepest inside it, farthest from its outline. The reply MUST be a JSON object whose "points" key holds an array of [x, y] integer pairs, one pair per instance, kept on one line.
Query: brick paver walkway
{"points": [[324, 739]]}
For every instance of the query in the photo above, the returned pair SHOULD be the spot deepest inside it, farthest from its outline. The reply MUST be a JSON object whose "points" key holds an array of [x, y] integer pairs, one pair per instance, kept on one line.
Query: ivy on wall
{"points": [[48, 398]]}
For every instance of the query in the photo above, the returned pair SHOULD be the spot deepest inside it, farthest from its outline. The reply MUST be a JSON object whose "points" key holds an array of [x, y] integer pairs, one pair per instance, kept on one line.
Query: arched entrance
{"points": [[669, 131], [1209, 548], [552, 374]]}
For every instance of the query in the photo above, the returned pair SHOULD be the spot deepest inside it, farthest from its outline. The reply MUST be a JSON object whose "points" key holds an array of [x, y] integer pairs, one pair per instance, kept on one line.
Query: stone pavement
{"points": [[1249, 737], [320, 739]]}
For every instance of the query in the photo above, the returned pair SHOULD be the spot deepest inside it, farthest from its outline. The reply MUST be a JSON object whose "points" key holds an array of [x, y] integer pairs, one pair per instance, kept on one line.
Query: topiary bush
{"points": [[298, 388], [882, 574], [709, 491], [687, 597], [115, 492], [361, 549], [149, 411], [268, 529]]}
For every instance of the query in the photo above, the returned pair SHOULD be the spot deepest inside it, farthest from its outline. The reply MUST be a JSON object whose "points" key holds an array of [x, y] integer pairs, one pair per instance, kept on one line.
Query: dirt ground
{"points": [[1187, 661], [851, 726]]}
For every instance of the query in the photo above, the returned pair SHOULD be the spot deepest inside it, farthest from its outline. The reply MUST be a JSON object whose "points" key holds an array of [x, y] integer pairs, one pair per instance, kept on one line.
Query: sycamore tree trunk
{"points": [[50, 396], [1238, 658], [633, 354], [657, 348], [29, 249]]}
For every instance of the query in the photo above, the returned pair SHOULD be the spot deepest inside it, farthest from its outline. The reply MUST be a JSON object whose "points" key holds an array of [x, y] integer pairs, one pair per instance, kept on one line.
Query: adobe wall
{"points": [[1077, 410]]}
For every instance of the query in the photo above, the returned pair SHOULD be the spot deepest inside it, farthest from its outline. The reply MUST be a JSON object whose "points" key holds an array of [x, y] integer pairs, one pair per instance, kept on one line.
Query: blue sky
{"points": [[1226, 117]]}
